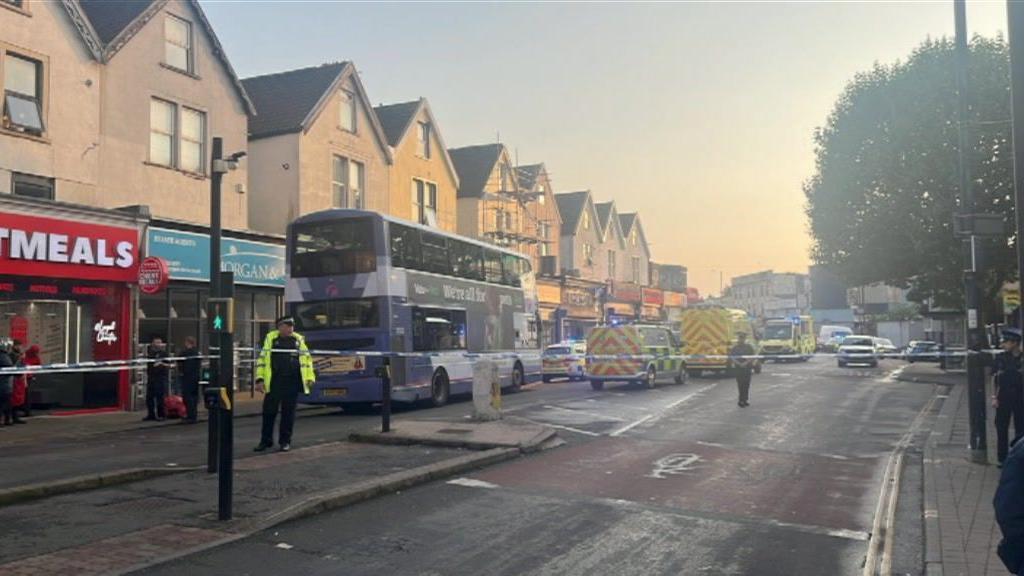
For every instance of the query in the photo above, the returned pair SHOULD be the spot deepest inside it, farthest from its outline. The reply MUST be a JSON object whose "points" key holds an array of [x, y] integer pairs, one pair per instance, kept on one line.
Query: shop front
{"points": [[675, 303], [653, 301], [579, 311], [549, 298], [179, 311], [66, 276], [624, 303]]}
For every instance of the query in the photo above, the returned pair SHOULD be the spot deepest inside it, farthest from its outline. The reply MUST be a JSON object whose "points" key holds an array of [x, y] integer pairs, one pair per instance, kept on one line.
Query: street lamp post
{"points": [[222, 369], [972, 244]]}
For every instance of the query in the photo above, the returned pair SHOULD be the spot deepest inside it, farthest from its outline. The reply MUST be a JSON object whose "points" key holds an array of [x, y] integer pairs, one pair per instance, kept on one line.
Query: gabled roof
{"points": [[285, 99], [571, 206], [528, 175], [629, 221], [474, 165], [106, 26], [609, 219], [396, 120], [291, 101]]}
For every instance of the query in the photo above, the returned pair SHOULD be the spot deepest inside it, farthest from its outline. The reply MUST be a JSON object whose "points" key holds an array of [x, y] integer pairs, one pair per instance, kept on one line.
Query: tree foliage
{"points": [[882, 198]]}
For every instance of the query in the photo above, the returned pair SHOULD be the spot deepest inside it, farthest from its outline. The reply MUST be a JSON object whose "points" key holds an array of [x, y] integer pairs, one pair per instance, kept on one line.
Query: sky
{"points": [[700, 116]]}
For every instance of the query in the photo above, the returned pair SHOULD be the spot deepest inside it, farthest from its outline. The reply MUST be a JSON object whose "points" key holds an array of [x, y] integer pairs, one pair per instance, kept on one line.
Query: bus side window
{"points": [[511, 266], [437, 329], [405, 247], [435, 253], [492, 266], [467, 261]]}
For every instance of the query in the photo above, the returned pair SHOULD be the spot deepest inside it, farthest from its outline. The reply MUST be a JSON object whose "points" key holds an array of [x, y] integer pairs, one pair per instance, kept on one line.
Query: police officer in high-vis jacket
{"points": [[284, 368]]}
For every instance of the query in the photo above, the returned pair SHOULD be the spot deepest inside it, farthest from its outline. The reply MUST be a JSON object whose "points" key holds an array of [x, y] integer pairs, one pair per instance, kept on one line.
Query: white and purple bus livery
{"points": [[433, 301]]}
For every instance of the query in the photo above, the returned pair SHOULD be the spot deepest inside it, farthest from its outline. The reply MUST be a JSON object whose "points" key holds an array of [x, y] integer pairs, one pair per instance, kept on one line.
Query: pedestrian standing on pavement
{"points": [[284, 368], [6, 384], [157, 374], [1008, 399], [191, 372], [1009, 505], [19, 384], [742, 361], [32, 358]]}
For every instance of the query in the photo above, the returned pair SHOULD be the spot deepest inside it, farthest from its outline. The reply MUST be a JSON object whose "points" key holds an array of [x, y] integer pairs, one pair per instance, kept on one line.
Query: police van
{"points": [[634, 353]]}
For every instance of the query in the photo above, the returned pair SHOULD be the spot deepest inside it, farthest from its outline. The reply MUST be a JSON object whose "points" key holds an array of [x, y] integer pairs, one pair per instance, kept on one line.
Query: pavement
{"points": [[675, 480], [120, 529], [962, 534]]}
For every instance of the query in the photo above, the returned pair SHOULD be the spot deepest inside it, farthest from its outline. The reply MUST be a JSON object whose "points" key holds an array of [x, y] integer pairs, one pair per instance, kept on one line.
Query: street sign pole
{"points": [[225, 480], [972, 272], [1015, 17]]}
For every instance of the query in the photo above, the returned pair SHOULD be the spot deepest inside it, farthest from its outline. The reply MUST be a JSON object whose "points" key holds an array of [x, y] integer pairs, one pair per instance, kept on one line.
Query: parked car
{"points": [[923, 351], [858, 350], [565, 360], [886, 348]]}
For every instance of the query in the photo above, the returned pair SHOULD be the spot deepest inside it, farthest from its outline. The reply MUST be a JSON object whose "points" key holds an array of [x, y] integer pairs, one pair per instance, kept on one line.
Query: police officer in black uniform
{"points": [[742, 361], [1008, 399]]}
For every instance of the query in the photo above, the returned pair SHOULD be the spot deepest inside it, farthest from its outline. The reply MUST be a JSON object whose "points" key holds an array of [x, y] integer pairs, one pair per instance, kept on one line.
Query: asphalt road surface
{"points": [[677, 480]]}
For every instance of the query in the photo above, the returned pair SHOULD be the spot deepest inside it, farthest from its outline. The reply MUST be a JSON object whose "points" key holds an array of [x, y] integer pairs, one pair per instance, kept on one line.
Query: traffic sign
{"points": [[220, 315]]}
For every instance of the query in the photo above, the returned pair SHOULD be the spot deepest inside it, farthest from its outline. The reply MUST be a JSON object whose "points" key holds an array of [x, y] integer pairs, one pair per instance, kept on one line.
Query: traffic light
{"points": [[220, 315]]}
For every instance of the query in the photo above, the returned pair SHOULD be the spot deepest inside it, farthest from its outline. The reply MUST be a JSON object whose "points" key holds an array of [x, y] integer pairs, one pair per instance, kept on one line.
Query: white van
{"points": [[830, 337]]}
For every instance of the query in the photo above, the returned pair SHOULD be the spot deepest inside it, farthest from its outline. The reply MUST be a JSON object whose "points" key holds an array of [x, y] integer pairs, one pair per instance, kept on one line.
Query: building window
{"points": [[611, 263], [193, 139], [347, 111], [636, 270], [178, 43], [23, 94], [588, 254], [633, 236], [586, 220], [508, 221], [424, 202], [356, 176], [423, 140], [32, 186], [162, 132]]}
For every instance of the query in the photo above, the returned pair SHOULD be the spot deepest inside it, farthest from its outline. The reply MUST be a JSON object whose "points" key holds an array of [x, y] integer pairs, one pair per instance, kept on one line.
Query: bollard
{"points": [[486, 391], [384, 372]]}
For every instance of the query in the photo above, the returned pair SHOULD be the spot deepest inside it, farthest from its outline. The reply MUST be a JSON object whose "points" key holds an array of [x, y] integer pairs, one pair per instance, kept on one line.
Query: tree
{"points": [[882, 198]]}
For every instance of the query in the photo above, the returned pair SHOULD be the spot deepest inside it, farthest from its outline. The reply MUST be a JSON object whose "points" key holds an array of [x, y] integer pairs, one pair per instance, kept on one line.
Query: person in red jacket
{"points": [[31, 359], [19, 394]]}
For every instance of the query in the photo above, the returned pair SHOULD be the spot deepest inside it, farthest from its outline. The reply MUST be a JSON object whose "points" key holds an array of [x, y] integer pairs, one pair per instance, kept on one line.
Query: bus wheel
{"points": [[439, 388], [597, 384], [517, 378], [652, 377]]}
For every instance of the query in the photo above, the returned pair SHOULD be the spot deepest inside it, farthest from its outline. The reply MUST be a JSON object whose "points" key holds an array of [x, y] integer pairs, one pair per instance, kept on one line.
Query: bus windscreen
{"points": [[333, 248]]}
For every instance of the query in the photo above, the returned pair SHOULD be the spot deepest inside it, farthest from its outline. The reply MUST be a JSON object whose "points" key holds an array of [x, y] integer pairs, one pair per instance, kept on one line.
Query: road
{"points": [[678, 480]]}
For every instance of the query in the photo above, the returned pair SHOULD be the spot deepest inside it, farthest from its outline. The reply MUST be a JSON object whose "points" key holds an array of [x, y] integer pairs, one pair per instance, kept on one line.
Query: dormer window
{"points": [[586, 220], [347, 111], [178, 44]]}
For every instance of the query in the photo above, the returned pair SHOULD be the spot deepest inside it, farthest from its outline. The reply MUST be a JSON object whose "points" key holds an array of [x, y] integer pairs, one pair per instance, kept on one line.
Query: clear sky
{"points": [[700, 116]]}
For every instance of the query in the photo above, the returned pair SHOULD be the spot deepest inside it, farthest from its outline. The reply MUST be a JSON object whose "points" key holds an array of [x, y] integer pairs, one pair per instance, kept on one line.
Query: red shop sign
{"points": [[153, 275], [626, 292], [653, 297], [48, 247]]}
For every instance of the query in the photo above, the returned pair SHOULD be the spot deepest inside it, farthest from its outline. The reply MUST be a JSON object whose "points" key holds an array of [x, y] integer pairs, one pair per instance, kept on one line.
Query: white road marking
{"points": [[570, 429], [632, 425], [584, 412], [472, 483], [673, 464], [284, 546]]}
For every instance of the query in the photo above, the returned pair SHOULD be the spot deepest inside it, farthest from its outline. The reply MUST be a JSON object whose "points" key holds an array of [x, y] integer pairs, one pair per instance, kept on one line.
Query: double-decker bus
{"points": [[432, 301]]}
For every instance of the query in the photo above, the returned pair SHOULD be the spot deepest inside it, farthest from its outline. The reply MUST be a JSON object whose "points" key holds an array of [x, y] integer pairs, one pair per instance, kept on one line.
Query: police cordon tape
{"points": [[140, 363]]}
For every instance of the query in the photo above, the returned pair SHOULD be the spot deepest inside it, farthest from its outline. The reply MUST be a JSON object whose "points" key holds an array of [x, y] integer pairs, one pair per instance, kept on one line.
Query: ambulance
{"points": [[634, 353], [709, 332], [788, 339]]}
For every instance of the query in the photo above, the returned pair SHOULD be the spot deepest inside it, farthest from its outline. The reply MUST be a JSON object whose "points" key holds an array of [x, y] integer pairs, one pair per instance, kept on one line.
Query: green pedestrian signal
{"points": [[220, 315]]}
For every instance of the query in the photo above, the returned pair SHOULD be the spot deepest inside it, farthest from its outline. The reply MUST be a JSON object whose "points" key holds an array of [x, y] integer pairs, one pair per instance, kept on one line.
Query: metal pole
{"points": [[385, 382], [225, 480], [972, 292], [212, 434], [1015, 14]]}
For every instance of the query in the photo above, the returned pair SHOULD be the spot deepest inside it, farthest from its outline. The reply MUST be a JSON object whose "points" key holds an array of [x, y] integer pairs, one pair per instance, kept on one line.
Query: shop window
{"points": [[184, 304], [32, 186]]}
